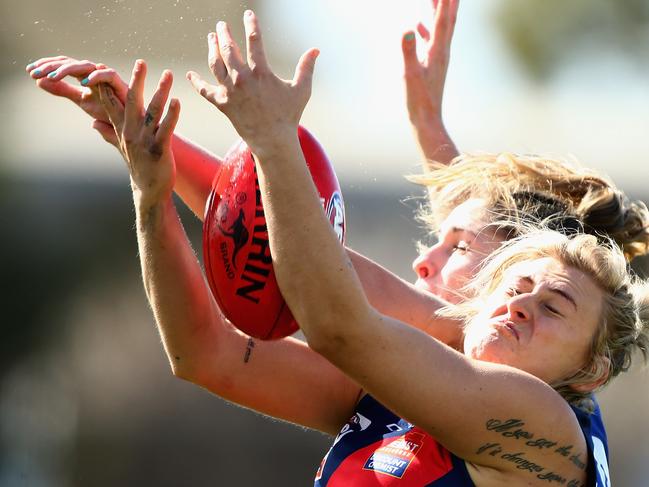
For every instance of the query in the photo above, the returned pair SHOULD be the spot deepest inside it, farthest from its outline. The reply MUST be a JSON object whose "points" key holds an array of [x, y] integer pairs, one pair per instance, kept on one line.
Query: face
{"points": [[541, 319], [462, 245]]}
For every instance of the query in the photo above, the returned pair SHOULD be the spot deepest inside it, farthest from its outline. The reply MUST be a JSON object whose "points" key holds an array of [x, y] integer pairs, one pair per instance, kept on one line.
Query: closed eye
{"points": [[552, 310], [462, 247], [512, 291]]}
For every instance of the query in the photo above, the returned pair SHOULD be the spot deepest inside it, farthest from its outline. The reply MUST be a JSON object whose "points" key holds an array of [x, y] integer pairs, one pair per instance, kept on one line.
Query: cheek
{"points": [[458, 271]]}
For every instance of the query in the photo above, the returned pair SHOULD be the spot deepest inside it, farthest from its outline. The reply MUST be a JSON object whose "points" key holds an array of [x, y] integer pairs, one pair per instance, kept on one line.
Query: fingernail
{"points": [[220, 24], [37, 72], [30, 66], [85, 81], [248, 13], [52, 74], [410, 36]]}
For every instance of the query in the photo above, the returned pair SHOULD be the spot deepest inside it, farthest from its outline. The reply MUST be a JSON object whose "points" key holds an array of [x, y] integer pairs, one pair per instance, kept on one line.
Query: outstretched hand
{"points": [[425, 84], [50, 72], [425, 78], [144, 140], [261, 106]]}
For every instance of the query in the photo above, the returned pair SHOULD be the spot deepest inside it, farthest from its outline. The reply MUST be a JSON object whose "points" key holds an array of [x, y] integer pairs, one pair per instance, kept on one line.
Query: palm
{"points": [[424, 89]]}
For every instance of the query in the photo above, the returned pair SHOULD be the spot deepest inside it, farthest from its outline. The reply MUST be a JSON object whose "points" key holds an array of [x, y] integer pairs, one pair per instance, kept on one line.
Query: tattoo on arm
{"points": [[148, 119], [249, 347], [513, 429]]}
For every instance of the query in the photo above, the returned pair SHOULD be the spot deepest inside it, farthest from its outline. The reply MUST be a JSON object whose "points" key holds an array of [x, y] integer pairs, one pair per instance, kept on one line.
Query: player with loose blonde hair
{"points": [[512, 181], [205, 349], [622, 328], [489, 411]]}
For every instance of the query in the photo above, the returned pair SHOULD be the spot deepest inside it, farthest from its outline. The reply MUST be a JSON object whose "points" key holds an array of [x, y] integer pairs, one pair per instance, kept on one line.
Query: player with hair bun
{"points": [[309, 390], [552, 312]]}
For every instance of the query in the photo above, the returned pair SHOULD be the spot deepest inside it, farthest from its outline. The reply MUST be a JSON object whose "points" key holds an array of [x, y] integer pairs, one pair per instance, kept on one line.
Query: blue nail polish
{"points": [[52, 74], [37, 72], [85, 81]]}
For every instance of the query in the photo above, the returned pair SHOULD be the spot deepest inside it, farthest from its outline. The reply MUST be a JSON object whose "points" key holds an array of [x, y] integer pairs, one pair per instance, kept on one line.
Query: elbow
{"points": [[181, 369], [334, 333], [328, 344]]}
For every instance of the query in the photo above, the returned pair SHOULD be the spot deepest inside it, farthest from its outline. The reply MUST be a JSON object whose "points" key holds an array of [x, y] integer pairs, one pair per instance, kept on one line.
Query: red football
{"points": [[237, 256]]}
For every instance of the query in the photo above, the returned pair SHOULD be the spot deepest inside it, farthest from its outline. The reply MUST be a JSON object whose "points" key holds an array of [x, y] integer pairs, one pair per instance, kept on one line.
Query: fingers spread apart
{"points": [[203, 88], [134, 107], [158, 102], [168, 124], [304, 70], [254, 45], [229, 51], [214, 59]]}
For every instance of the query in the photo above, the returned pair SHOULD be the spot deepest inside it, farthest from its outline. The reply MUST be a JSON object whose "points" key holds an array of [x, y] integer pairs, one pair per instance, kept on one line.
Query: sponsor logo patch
{"points": [[394, 458]]}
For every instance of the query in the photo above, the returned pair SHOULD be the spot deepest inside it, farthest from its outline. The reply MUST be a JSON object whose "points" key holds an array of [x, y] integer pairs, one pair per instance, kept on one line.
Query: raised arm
{"points": [[424, 81], [196, 167], [453, 397], [283, 378], [392, 296], [195, 170]]}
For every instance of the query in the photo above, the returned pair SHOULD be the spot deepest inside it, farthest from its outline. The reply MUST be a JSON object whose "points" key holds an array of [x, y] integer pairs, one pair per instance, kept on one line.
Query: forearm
{"points": [[195, 171], [395, 297], [183, 307], [314, 273], [206, 349]]}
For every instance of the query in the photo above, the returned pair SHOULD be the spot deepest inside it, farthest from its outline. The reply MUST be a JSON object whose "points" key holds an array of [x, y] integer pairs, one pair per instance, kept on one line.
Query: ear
{"points": [[599, 372]]}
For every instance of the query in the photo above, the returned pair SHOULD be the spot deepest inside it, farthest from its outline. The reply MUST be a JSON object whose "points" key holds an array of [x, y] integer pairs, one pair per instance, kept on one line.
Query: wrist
{"points": [[276, 144], [144, 201]]}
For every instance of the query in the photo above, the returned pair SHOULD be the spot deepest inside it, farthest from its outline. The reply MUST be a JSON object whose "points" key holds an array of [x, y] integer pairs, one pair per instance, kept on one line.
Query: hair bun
{"points": [[606, 211]]}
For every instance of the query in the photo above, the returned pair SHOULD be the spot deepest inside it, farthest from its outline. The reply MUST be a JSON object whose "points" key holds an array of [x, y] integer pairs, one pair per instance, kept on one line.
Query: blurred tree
{"points": [[545, 34]]}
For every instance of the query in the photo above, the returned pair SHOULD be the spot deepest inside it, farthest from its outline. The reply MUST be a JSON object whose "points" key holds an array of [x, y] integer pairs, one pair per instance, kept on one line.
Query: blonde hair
{"points": [[624, 326], [525, 186]]}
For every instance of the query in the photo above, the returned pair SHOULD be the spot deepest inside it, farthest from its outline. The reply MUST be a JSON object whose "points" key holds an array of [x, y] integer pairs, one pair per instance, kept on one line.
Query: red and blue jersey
{"points": [[378, 448]]}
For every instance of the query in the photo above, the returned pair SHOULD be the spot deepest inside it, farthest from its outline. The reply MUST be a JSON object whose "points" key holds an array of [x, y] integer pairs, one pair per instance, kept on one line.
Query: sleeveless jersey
{"points": [[378, 448]]}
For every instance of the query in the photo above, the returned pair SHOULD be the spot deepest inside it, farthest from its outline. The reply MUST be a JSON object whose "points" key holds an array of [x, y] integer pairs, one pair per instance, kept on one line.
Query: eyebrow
{"points": [[555, 290], [460, 229]]}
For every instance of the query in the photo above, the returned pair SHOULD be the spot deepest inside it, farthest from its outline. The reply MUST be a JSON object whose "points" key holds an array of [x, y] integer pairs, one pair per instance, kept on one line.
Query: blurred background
{"points": [[86, 395]]}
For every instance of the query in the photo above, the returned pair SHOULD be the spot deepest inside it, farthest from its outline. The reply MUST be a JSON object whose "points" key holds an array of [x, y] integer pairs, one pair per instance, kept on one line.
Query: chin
{"points": [[491, 349]]}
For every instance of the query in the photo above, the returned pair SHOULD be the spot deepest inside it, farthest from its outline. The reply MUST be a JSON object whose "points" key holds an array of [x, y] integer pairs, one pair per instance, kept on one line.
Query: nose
{"points": [[520, 307], [424, 265]]}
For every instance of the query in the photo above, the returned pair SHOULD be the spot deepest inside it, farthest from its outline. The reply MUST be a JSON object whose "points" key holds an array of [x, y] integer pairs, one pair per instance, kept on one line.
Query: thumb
{"points": [[304, 69], [106, 131]]}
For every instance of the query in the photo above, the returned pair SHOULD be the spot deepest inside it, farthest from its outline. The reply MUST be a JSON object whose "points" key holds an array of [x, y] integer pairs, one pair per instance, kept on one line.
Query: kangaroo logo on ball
{"points": [[239, 235]]}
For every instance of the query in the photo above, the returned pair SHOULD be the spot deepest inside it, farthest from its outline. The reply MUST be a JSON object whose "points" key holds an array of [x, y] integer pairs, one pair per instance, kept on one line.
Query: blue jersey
{"points": [[595, 434], [378, 448]]}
